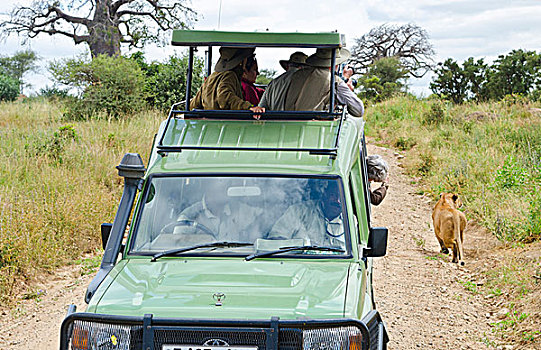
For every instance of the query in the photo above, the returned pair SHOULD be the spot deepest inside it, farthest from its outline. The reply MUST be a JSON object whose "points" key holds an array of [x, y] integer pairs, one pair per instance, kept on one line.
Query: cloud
{"points": [[457, 28]]}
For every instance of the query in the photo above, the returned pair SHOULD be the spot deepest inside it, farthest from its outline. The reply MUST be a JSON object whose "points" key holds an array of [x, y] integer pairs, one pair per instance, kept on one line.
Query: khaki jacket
{"points": [[221, 90], [274, 98], [309, 90]]}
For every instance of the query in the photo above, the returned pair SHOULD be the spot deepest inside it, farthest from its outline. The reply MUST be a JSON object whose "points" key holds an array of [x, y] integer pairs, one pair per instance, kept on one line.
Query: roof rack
{"points": [[247, 116], [210, 38], [183, 37]]}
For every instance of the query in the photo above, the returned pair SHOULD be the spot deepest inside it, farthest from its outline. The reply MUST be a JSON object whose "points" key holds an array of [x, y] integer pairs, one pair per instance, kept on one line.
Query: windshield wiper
{"points": [[206, 245], [289, 249]]}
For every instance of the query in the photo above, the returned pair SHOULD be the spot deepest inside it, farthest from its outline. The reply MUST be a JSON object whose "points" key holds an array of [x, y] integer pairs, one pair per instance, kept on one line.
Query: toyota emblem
{"points": [[216, 342], [218, 297]]}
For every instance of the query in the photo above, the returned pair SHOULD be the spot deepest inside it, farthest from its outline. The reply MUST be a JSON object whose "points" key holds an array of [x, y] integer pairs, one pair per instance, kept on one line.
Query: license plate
{"points": [[205, 347]]}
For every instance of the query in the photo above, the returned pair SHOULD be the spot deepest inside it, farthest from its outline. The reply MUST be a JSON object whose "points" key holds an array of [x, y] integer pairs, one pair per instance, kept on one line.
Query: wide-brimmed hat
{"points": [[322, 57], [298, 58], [230, 57]]}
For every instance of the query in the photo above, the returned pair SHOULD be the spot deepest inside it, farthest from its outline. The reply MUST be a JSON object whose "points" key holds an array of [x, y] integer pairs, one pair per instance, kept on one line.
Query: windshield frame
{"points": [[137, 215]]}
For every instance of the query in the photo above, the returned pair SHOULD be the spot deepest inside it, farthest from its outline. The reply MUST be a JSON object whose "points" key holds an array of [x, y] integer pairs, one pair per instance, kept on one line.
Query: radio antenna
{"points": [[220, 14]]}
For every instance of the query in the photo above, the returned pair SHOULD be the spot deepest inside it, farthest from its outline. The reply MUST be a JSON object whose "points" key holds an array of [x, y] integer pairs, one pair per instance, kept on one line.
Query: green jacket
{"points": [[221, 90]]}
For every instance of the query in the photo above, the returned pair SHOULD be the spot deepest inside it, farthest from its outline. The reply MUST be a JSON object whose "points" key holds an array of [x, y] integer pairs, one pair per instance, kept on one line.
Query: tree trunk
{"points": [[103, 32]]}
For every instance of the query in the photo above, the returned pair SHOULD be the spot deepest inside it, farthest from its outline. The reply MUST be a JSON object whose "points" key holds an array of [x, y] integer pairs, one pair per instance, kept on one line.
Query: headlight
{"points": [[337, 338], [99, 336]]}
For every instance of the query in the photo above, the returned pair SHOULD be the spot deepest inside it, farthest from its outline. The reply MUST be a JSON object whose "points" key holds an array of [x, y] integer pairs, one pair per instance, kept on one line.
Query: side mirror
{"points": [[377, 242], [105, 232]]}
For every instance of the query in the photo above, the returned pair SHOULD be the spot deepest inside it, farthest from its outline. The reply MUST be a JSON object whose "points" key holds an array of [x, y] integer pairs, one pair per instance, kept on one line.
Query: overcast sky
{"points": [[457, 28]]}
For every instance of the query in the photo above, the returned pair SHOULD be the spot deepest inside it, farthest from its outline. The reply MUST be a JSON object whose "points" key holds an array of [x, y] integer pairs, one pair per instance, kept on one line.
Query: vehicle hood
{"points": [[257, 289]]}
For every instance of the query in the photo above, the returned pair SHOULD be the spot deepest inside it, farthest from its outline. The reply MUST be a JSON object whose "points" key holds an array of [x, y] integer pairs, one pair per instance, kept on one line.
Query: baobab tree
{"points": [[102, 24], [408, 43]]}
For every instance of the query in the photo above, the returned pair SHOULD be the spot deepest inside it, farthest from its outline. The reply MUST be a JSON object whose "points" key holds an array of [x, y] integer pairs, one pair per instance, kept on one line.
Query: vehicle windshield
{"points": [[267, 212]]}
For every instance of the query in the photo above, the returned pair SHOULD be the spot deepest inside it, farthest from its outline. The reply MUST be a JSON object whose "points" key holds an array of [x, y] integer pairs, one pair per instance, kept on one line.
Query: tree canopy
{"points": [[460, 83], [18, 65], [518, 72], [265, 76], [409, 43], [383, 79], [102, 24], [9, 88]]}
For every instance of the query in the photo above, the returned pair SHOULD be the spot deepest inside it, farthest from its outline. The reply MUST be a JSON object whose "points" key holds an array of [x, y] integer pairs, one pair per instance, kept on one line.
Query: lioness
{"points": [[449, 224]]}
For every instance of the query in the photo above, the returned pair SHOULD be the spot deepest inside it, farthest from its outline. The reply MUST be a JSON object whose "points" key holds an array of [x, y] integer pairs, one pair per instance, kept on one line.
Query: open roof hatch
{"points": [[197, 38]]}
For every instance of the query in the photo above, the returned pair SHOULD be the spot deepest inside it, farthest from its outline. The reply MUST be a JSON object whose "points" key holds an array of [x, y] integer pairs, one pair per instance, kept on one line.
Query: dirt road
{"points": [[421, 295]]}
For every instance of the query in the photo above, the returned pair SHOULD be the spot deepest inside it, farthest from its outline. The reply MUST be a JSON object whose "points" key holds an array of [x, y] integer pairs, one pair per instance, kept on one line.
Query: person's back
{"points": [[275, 94], [309, 90], [221, 91]]}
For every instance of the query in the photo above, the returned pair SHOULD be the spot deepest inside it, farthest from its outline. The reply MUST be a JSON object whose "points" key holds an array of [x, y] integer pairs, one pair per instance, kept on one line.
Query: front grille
{"points": [[290, 339], [82, 331], [249, 337]]}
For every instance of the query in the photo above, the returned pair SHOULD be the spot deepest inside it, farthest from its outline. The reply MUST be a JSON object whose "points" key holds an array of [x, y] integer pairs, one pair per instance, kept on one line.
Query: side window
{"points": [[360, 197], [354, 202], [364, 176]]}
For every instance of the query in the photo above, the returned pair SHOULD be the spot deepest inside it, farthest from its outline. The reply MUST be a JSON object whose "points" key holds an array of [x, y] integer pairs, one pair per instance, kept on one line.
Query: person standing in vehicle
{"points": [[222, 90], [310, 87], [275, 95], [251, 92]]}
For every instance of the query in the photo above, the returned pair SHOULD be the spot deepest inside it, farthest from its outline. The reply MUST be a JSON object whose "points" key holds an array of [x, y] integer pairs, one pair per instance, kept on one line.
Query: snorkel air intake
{"points": [[131, 168]]}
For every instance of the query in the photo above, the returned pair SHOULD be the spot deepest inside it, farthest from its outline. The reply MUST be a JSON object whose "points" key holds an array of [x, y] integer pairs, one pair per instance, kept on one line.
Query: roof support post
{"points": [[189, 78], [209, 60], [333, 60]]}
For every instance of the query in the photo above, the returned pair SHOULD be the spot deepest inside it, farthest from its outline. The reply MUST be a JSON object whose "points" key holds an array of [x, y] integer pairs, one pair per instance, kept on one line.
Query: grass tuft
{"points": [[58, 182]]}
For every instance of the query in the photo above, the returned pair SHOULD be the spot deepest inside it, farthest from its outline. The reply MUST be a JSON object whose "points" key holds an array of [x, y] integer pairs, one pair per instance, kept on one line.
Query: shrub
{"points": [[166, 82], [53, 92], [534, 219], [404, 143], [9, 88], [511, 175], [53, 147], [168, 85], [435, 116], [383, 80], [113, 86]]}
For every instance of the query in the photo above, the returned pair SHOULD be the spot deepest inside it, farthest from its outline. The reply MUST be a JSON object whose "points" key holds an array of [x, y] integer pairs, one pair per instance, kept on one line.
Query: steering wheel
{"points": [[187, 222]]}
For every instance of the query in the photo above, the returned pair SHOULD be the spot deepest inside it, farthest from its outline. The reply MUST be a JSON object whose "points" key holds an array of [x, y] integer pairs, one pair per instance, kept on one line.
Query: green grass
{"points": [[89, 265], [511, 321], [58, 183], [469, 286], [489, 153]]}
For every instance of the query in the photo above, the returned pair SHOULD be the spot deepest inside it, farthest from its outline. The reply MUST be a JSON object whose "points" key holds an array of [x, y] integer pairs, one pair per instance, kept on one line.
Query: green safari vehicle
{"points": [[244, 235]]}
